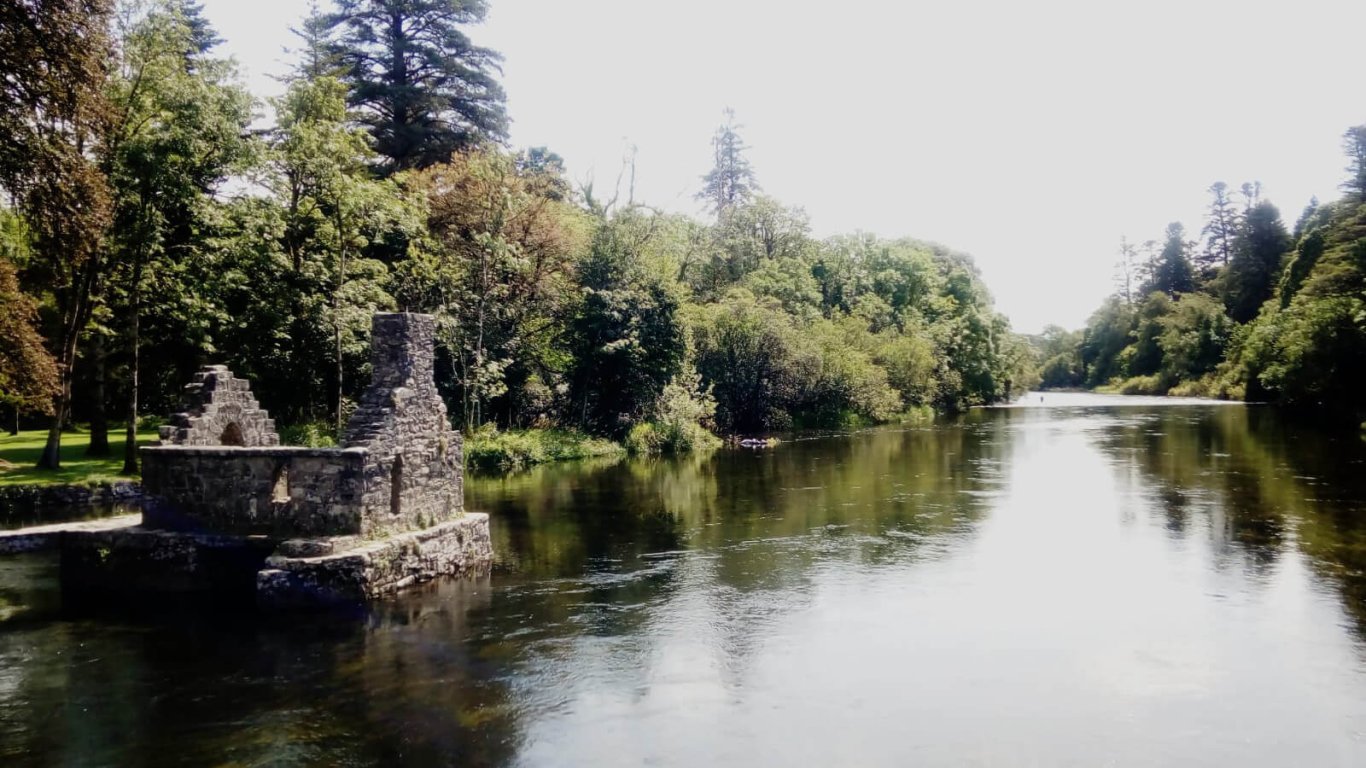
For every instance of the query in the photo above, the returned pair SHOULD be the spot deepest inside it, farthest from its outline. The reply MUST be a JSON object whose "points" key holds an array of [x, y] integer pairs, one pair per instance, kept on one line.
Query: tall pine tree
{"points": [[1173, 274], [731, 181], [1354, 144], [1220, 230], [1256, 266], [423, 88]]}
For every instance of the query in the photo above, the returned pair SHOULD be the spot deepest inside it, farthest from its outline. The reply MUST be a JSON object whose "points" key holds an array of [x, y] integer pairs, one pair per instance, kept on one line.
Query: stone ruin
{"points": [[229, 509], [219, 410]]}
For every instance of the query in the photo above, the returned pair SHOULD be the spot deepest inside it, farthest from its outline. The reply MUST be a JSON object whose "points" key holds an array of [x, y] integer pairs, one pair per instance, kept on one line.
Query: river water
{"points": [[1079, 581]]}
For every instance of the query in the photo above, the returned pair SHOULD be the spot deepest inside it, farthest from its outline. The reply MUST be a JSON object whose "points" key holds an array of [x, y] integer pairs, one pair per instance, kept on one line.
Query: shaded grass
{"points": [[18, 454]]}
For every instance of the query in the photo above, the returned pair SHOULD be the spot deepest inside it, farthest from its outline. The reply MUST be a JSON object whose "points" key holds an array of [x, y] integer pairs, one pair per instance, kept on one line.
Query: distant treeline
{"points": [[150, 226], [1249, 310]]}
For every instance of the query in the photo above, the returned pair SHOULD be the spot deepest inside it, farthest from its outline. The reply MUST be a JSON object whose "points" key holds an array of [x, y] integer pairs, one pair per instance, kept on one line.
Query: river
{"points": [[1082, 580]]}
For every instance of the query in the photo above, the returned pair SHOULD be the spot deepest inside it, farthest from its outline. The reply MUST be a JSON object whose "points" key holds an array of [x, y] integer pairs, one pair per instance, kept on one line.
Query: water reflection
{"points": [[1081, 584]]}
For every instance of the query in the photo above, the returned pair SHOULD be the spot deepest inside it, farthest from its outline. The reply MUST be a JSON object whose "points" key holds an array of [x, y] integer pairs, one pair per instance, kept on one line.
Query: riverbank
{"points": [[489, 451], [486, 451]]}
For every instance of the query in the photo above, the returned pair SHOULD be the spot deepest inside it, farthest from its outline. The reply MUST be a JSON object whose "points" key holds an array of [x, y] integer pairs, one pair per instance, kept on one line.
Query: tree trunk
{"points": [[51, 457], [14, 425], [99, 416], [130, 445], [75, 316]]}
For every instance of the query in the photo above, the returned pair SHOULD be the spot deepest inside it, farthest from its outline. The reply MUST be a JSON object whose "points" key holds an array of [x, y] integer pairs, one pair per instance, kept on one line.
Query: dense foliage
{"points": [[180, 233], [1259, 312]]}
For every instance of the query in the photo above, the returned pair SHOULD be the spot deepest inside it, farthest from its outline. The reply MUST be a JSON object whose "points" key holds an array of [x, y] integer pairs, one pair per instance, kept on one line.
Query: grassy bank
{"points": [[1156, 384], [490, 451], [18, 454]]}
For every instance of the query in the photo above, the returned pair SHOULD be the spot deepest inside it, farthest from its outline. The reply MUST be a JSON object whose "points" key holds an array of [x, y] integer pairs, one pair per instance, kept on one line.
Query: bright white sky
{"points": [[1031, 135]]}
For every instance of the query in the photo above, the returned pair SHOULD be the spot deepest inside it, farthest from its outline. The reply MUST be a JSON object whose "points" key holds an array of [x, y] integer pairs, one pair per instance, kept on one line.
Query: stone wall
{"points": [[37, 504], [220, 410], [415, 471], [280, 492]]}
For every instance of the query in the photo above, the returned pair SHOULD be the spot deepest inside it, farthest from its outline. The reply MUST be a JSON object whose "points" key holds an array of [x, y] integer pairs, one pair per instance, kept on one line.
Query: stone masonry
{"points": [[227, 506], [414, 476], [219, 410]]}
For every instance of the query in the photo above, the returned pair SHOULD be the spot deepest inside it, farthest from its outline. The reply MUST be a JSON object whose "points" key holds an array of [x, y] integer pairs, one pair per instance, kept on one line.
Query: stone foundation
{"points": [[374, 569], [136, 563]]}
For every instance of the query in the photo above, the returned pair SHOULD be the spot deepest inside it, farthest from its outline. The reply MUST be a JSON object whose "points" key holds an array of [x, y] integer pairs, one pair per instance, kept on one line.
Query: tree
{"points": [[731, 181], [1106, 335], [1258, 252], [202, 36], [334, 212], [28, 374], [1127, 270], [1194, 334], [1354, 144], [500, 275], [1221, 227], [318, 56], [423, 88], [627, 337], [1172, 273], [756, 361], [1306, 216], [1144, 356], [180, 126], [752, 233], [53, 114]]}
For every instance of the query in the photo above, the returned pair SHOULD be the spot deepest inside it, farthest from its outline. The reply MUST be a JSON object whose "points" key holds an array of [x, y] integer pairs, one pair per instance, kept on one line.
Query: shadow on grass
{"points": [[19, 453]]}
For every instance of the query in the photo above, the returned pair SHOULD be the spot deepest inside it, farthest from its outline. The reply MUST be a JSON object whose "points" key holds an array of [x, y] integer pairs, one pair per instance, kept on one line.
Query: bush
{"points": [[316, 434], [681, 419], [1201, 387], [1137, 385]]}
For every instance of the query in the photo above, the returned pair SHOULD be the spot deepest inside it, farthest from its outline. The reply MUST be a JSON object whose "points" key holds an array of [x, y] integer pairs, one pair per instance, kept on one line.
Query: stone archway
{"points": [[232, 435]]}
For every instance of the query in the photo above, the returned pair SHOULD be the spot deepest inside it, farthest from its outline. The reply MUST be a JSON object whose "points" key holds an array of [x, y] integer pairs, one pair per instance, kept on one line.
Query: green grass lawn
{"points": [[18, 454]]}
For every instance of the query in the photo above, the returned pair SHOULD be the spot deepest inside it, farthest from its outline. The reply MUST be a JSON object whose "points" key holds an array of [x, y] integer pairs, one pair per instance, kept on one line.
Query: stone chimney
{"points": [[414, 473]]}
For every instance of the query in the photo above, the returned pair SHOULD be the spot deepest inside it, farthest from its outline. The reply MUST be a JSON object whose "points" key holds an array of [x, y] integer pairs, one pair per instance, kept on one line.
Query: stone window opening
{"points": [[280, 492], [396, 487], [232, 435]]}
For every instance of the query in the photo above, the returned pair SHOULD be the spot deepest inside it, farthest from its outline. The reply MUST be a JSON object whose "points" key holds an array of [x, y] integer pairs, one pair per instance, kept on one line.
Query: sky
{"points": [[1031, 135]]}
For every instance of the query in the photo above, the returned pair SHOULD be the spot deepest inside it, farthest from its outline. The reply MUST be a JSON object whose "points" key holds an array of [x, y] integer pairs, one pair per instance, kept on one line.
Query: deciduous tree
{"points": [[53, 117], [28, 374], [179, 128]]}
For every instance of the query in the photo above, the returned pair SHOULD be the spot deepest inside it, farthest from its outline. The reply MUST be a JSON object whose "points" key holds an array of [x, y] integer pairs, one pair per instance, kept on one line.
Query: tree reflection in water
{"points": [[878, 597]]}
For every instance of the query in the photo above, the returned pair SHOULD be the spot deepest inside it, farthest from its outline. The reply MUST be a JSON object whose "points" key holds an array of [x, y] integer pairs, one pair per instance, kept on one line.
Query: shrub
{"points": [[681, 419], [315, 434]]}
